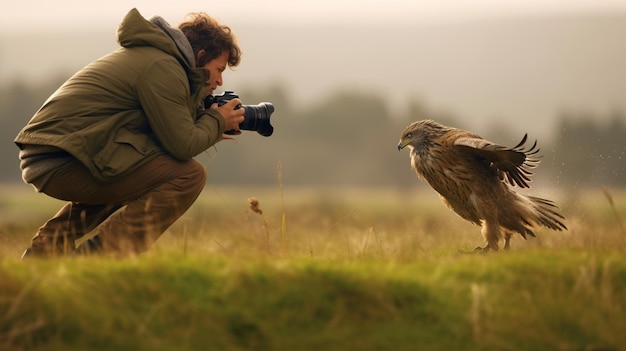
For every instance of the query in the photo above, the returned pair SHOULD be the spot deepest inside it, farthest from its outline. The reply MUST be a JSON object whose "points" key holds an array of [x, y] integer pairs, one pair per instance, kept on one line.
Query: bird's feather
{"points": [[511, 164]]}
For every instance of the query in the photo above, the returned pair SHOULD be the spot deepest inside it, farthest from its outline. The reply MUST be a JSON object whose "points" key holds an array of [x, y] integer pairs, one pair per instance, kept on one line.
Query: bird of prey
{"points": [[474, 178]]}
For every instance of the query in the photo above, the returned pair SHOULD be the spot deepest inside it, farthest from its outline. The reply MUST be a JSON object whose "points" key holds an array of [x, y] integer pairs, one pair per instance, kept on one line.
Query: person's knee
{"points": [[197, 175]]}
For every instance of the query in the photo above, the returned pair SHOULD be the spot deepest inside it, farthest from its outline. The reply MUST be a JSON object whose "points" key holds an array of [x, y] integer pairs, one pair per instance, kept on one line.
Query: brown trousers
{"points": [[136, 209]]}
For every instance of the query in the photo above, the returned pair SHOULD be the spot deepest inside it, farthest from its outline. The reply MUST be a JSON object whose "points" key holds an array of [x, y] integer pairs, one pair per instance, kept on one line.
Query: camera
{"points": [[255, 118]]}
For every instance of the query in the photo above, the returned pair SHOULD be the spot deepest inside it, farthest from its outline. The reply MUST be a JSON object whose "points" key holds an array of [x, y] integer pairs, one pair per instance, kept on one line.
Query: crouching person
{"points": [[117, 140]]}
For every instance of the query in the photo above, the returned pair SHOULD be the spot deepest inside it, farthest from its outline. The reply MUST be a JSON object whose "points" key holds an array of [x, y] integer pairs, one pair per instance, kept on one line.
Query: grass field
{"points": [[349, 269]]}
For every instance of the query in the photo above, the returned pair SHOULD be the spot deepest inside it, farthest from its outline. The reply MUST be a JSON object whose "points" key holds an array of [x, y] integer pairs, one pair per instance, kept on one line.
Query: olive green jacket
{"points": [[122, 110]]}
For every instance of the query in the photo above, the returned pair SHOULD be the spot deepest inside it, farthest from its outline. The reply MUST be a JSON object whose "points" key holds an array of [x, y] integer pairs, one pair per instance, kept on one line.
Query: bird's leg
{"points": [[491, 233], [507, 239]]}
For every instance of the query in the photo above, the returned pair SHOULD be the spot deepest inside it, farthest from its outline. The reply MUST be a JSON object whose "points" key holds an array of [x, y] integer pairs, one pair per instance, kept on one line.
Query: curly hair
{"points": [[206, 33]]}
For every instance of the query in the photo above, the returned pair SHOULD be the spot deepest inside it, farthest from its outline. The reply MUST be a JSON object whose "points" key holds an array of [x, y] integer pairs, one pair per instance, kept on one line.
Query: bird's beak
{"points": [[401, 146]]}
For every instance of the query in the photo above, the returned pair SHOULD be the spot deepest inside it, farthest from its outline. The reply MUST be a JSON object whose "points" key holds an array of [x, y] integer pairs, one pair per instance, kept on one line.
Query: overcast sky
{"points": [[522, 74], [42, 15]]}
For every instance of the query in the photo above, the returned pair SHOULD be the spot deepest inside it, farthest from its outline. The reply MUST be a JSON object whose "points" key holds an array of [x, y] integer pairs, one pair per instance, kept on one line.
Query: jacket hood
{"points": [[135, 31]]}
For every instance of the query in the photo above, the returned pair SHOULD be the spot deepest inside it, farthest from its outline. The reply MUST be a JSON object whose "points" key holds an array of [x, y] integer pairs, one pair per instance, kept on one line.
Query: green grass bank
{"points": [[531, 300]]}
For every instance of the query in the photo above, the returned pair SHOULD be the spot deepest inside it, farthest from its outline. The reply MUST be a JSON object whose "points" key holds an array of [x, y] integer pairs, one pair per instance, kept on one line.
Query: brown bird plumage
{"points": [[474, 178]]}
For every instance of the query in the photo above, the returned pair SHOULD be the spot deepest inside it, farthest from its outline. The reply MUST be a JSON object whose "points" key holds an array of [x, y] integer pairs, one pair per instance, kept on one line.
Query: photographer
{"points": [[117, 139]]}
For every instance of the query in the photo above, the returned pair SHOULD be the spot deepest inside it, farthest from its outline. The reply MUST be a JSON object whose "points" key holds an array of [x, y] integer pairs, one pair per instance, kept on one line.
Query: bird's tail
{"points": [[531, 212], [547, 214]]}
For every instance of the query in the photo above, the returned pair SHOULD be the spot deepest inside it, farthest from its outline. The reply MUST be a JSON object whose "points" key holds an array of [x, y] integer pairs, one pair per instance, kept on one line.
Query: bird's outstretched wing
{"points": [[511, 164]]}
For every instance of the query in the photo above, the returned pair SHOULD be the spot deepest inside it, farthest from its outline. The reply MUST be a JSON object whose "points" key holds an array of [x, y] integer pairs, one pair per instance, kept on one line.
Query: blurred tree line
{"points": [[349, 138]]}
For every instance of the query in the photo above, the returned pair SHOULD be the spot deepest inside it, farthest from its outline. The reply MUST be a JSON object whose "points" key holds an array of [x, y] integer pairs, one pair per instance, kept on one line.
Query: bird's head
{"points": [[420, 134]]}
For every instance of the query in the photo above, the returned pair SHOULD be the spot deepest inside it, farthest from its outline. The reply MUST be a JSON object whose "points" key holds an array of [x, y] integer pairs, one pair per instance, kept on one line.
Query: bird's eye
{"points": [[410, 135]]}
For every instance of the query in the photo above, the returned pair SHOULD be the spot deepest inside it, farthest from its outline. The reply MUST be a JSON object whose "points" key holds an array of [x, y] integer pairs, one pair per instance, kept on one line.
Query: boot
{"points": [[92, 246]]}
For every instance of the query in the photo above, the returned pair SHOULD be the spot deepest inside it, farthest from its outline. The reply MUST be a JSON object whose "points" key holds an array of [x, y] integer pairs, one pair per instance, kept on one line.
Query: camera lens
{"points": [[257, 118]]}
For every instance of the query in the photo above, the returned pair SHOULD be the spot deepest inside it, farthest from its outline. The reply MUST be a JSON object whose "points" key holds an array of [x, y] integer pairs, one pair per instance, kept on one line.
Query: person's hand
{"points": [[232, 117]]}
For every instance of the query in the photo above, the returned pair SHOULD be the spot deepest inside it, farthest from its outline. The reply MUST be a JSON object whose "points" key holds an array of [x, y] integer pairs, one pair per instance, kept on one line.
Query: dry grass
{"points": [[335, 223]]}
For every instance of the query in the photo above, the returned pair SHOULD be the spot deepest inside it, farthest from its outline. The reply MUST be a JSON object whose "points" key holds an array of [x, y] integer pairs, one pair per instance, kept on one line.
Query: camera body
{"points": [[255, 118]]}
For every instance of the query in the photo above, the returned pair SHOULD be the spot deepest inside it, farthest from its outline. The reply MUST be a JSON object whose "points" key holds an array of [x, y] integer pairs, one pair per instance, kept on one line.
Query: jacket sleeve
{"points": [[164, 94]]}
